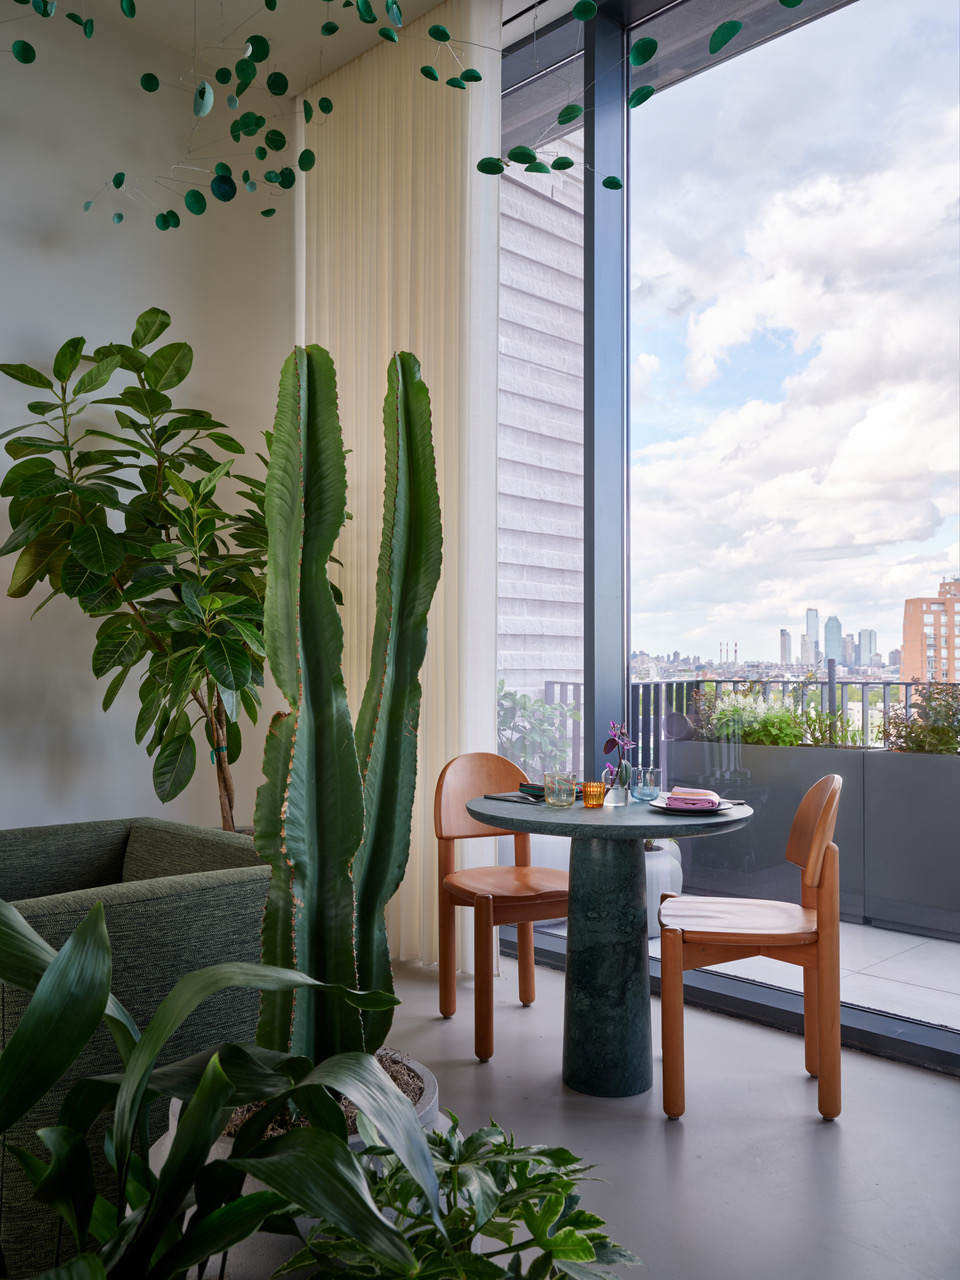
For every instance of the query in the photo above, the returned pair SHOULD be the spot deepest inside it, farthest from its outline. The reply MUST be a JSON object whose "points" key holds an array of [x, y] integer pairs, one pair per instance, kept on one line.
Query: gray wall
{"points": [[68, 123]]}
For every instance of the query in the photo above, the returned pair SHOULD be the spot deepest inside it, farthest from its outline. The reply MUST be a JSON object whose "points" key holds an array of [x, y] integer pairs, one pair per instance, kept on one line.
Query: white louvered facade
{"points": [[540, 483]]}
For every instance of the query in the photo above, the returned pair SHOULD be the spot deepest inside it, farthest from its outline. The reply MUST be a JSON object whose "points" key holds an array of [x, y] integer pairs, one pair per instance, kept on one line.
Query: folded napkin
{"points": [[692, 798]]}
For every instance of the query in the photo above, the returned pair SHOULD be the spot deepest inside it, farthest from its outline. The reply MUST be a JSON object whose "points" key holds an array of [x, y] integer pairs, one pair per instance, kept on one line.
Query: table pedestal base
{"points": [[606, 1040]]}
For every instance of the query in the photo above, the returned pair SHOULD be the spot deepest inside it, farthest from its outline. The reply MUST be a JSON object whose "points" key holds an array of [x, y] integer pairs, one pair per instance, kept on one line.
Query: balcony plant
{"points": [[126, 521], [532, 732], [333, 816], [934, 726]]}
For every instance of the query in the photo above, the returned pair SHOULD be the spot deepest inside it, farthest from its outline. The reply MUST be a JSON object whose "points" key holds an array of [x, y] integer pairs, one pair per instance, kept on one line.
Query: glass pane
{"points": [[794, 446], [540, 491]]}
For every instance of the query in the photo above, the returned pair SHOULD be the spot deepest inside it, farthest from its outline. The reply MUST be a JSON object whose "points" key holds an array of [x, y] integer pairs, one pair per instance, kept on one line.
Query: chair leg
{"points": [[811, 1023], [447, 956], [671, 1020], [483, 979], [828, 997], [528, 990]]}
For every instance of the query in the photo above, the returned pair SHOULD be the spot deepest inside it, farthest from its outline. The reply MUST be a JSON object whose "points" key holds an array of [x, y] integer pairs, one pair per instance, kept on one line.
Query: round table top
{"points": [[633, 821]]}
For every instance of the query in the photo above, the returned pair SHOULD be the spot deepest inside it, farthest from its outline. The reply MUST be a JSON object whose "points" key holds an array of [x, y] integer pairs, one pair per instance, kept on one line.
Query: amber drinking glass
{"points": [[593, 793]]}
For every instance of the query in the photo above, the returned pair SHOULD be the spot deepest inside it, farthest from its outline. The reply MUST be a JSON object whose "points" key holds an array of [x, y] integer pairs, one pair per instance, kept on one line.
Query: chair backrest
{"points": [[813, 826], [474, 774]]}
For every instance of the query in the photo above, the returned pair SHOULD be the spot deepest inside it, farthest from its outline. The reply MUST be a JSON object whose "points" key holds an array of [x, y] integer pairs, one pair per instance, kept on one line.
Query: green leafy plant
{"points": [[934, 726], [821, 729], [138, 1231], [533, 733], [333, 816], [508, 1211], [125, 520]]}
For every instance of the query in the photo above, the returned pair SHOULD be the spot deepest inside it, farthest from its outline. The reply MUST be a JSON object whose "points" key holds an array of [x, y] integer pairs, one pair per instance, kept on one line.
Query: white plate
{"points": [[661, 805]]}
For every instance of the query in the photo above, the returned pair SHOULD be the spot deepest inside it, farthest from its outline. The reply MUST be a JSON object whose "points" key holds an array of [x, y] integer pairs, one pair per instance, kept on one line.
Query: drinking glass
{"points": [[593, 794], [645, 784], [560, 788]]}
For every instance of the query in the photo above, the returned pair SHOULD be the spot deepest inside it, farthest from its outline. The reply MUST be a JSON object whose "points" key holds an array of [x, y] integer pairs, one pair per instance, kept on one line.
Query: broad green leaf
{"points": [[218, 1231], [250, 635], [130, 359], [228, 662], [150, 325], [180, 486], [34, 562], [99, 602], [26, 446], [319, 1173], [169, 366], [69, 1185], [97, 377], [174, 766], [27, 530], [29, 468], [114, 687], [67, 359], [147, 402], [225, 442], [67, 1004], [29, 376], [25, 957], [98, 548]]}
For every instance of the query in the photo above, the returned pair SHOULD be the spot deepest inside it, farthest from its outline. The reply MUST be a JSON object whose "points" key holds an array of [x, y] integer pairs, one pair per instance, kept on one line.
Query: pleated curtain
{"points": [[398, 250]]}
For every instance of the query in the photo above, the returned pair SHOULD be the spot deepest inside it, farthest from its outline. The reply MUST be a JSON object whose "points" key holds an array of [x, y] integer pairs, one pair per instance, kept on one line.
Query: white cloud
{"points": [[839, 487]]}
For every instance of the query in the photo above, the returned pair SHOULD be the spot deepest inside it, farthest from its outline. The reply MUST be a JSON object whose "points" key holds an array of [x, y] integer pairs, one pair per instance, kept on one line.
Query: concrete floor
{"points": [[751, 1184]]}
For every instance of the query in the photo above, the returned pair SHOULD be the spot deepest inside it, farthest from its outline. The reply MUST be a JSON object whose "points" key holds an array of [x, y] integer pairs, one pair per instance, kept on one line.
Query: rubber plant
{"points": [[333, 816], [124, 518]]}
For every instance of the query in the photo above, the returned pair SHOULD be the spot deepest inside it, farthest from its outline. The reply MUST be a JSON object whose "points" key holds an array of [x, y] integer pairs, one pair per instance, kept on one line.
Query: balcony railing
{"points": [[652, 702]]}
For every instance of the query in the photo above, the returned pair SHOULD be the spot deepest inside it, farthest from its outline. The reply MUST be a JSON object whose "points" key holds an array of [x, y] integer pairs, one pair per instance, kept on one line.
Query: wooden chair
{"points": [[498, 895], [695, 932]]}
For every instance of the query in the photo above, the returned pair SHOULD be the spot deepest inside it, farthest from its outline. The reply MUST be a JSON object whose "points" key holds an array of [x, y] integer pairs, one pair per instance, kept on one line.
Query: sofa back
{"points": [[38, 861]]}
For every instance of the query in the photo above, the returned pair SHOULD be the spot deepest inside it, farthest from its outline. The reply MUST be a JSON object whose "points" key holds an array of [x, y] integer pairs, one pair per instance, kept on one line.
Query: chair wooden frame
{"points": [[696, 932], [516, 895]]}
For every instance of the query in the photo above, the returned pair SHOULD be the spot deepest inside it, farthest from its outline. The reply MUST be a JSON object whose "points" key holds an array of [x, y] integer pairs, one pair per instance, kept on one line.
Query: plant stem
{"points": [[224, 776]]}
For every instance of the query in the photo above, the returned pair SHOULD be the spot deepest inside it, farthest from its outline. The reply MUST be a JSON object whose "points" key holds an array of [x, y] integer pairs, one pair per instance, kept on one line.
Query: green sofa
{"points": [[176, 898]]}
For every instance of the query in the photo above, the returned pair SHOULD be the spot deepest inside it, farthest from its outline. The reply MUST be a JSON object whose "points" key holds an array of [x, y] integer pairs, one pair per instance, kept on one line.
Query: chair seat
{"points": [[744, 921], [508, 885]]}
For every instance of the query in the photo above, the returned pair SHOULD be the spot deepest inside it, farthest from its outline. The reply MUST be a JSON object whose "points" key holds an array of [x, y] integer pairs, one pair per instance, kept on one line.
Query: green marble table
{"points": [[606, 1026]]}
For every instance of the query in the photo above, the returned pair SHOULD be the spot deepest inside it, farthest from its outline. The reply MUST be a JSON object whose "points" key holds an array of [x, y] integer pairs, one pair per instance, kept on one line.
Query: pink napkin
{"points": [[692, 798]]}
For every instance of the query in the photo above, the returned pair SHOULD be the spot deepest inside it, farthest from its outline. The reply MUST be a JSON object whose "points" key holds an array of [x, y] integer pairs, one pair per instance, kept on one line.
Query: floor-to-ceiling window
{"points": [[794, 415]]}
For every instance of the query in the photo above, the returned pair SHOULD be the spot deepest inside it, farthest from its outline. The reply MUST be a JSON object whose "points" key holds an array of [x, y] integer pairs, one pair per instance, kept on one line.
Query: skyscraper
{"points": [[833, 639], [786, 645], [849, 650], [813, 629], [868, 646], [808, 654]]}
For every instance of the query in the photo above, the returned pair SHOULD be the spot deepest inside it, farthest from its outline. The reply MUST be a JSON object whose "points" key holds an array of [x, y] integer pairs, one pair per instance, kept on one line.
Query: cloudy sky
{"points": [[794, 297]]}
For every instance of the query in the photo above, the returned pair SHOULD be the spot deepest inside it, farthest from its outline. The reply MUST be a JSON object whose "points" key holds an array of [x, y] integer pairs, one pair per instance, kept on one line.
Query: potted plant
{"points": [[125, 520], [442, 1197], [333, 815]]}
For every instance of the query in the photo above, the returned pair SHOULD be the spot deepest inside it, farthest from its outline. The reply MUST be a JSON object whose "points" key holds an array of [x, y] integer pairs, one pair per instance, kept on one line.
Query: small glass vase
{"points": [[618, 790]]}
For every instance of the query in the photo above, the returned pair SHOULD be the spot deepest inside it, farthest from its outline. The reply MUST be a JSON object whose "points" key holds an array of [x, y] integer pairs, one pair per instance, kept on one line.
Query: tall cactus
{"points": [[333, 816]]}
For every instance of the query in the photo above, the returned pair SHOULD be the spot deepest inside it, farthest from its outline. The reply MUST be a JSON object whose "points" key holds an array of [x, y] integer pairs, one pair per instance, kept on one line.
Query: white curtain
{"points": [[399, 250]]}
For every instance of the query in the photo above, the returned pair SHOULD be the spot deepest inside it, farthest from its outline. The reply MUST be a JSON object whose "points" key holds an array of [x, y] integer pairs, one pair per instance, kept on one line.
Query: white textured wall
{"points": [[67, 123], [540, 537]]}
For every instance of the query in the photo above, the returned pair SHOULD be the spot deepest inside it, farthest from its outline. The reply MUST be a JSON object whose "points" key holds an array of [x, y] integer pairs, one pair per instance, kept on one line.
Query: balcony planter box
{"points": [[896, 828], [912, 852]]}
